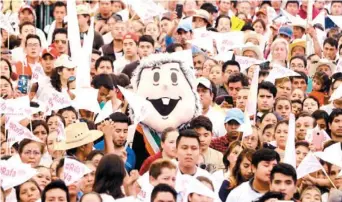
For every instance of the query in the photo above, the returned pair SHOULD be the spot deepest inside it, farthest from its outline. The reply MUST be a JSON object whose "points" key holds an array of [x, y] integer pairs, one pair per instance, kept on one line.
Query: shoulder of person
{"points": [[107, 198]]}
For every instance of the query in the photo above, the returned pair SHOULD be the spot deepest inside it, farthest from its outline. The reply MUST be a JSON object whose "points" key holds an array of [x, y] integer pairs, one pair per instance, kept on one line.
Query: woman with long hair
{"points": [[242, 172], [109, 177]]}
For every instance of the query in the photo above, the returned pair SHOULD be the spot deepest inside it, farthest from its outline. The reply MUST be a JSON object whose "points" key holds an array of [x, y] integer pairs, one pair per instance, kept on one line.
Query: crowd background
{"points": [[267, 125]]}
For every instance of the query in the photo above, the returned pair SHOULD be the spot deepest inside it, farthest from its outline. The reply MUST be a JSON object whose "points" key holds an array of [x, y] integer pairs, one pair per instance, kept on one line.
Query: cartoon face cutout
{"points": [[168, 88]]}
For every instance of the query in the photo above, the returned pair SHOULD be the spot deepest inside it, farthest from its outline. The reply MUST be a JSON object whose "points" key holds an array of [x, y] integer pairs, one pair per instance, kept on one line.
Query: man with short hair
{"points": [[235, 83], [55, 190], [298, 63], [95, 55], [335, 124], [336, 8], [299, 82], [266, 95], [163, 193], [59, 12], [284, 179], [206, 93], [104, 65], [18, 53], [263, 161], [199, 59], [224, 7], [292, 7], [232, 122], [105, 12], [115, 137], [145, 48], [330, 49], [304, 122], [203, 126], [242, 98], [228, 68], [60, 40], [130, 50]]}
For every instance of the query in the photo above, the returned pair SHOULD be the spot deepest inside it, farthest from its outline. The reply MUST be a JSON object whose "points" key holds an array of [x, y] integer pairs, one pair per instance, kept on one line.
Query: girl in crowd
{"points": [[39, 129], [251, 141], [302, 149], [284, 87], [50, 144], [320, 87], [53, 121], [207, 66], [215, 75], [5, 68], [43, 177], [91, 197], [281, 132], [311, 194], [95, 157], [242, 172], [268, 133], [297, 94], [283, 107], [310, 104], [28, 191], [267, 118], [69, 114]]}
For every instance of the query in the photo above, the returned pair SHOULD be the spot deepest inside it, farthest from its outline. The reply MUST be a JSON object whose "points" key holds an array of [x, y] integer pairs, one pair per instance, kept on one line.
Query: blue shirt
{"points": [[131, 159]]}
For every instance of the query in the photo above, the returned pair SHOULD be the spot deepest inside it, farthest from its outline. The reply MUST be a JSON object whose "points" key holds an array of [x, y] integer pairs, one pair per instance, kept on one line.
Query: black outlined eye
{"points": [[174, 78], [156, 76]]}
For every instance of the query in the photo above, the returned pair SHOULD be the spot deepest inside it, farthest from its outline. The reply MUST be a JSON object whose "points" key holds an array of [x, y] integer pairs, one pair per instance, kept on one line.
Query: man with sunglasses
{"points": [[60, 40]]}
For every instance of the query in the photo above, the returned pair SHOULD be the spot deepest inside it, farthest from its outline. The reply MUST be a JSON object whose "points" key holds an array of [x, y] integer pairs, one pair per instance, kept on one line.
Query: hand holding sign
{"points": [[74, 170]]}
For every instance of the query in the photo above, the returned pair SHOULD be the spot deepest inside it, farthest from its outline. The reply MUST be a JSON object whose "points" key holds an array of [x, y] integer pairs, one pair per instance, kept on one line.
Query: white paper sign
{"points": [[17, 132], [55, 100], [147, 9], [37, 73], [74, 170], [226, 41], [16, 107], [246, 62], [290, 150], [280, 72], [90, 96], [308, 165], [13, 174], [60, 131]]}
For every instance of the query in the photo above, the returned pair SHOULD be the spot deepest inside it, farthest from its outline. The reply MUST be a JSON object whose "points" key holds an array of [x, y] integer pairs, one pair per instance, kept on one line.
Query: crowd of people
{"points": [[191, 100]]}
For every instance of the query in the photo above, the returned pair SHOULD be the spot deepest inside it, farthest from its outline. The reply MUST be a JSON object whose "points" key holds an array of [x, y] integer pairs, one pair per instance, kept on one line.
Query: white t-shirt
{"points": [[217, 119], [243, 193]]}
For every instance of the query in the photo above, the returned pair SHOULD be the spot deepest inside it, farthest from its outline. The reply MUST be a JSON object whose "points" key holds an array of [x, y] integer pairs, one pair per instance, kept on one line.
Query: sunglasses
{"points": [[61, 41]]}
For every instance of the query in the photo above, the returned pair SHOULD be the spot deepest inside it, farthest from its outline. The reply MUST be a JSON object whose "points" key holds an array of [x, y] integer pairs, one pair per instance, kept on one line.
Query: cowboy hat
{"points": [[77, 134], [251, 47], [295, 43], [252, 35], [321, 62], [205, 15]]}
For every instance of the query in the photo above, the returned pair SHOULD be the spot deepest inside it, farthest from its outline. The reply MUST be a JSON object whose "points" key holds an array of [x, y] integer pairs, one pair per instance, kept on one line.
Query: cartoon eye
{"points": [[174, 78], [156, 76]]}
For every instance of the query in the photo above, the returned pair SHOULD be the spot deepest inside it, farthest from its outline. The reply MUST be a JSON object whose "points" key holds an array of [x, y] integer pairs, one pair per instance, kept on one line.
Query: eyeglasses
{"points": [[30, 152], [35, 45], [61, 41]]}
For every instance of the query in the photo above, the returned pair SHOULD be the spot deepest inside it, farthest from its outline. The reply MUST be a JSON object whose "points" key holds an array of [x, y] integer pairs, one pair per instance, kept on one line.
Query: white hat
{"points": [[254, 35], [321, 62], [256, 49], [64, 61]]}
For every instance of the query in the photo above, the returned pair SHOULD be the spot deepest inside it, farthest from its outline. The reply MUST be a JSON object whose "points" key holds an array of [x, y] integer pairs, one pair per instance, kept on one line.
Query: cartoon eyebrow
{"points": [[153, 68], [175, 69]]}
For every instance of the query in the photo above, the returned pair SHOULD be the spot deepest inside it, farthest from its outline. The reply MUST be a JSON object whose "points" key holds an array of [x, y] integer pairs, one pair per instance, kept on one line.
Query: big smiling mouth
{"points": [[164, 105]]}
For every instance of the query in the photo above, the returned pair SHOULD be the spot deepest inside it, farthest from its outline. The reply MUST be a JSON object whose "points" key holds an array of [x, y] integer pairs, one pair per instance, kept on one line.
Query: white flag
{"points": [[246, 127], [337, 93], [308, 165], [74, 170], [336, 19], [278, 72], [86, 98], [60, 131], [290, 151], [253, 95], [331, 154], [15, 173], [17, 133], [105, 112]]}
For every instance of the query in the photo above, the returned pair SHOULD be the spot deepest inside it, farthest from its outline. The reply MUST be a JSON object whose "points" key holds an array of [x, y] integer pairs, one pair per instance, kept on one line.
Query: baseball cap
{"points": [[286, 30], [234, 114], [24, 7], [205, 82], [51, 51], [131, 36], [64, 61], [185, 24]]}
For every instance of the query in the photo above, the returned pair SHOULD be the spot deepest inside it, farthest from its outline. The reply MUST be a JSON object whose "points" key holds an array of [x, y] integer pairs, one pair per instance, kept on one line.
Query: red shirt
{"points": [[303, 14], [147, 163], [220, 144]]}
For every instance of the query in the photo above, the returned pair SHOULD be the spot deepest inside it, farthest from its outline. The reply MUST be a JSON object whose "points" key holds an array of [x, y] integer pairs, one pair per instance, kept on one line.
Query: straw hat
{"points": [[321, 62], [202, 14], [251, 47], [252, 35], [295, 43], [78, 134]]}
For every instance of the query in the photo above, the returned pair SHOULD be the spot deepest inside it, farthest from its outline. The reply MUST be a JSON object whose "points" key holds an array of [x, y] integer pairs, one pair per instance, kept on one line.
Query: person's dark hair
{"points": [[25, 142], [238, 77], [109, 176], [313, 98], [102, 80], [56, 79], [303, 144], [285, 169], [291, 2], [187, 133], [56, 184], [59, 31], [324, 80], [146, 38], [120, 118], [55, 114], [220, 17], [333, 2], [268, 126], [97, 52], [321, 114], [163, 188], [32, 36], [165, 133], [209, 7], [229, 150], [335, 113], [93, 193], [206, 180], [172, 47], [70, 108], [301, 75], [247, 26], [261, 22], [270, 87], [230, 62], [271, 195], [201, 122], [59, 4], [36, 123], [336, 77], [9, 66], [264, 155], [301, 58], [17, 188], [7, 80], [265, 114], [22, 25], [123, 80], [297, 102], [93, 153], [103, 59], [331, 42]]}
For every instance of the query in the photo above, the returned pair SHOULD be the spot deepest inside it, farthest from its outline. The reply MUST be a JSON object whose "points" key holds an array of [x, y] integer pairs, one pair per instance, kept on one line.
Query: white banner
{"points": [[17, 132], [74, 170]]}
